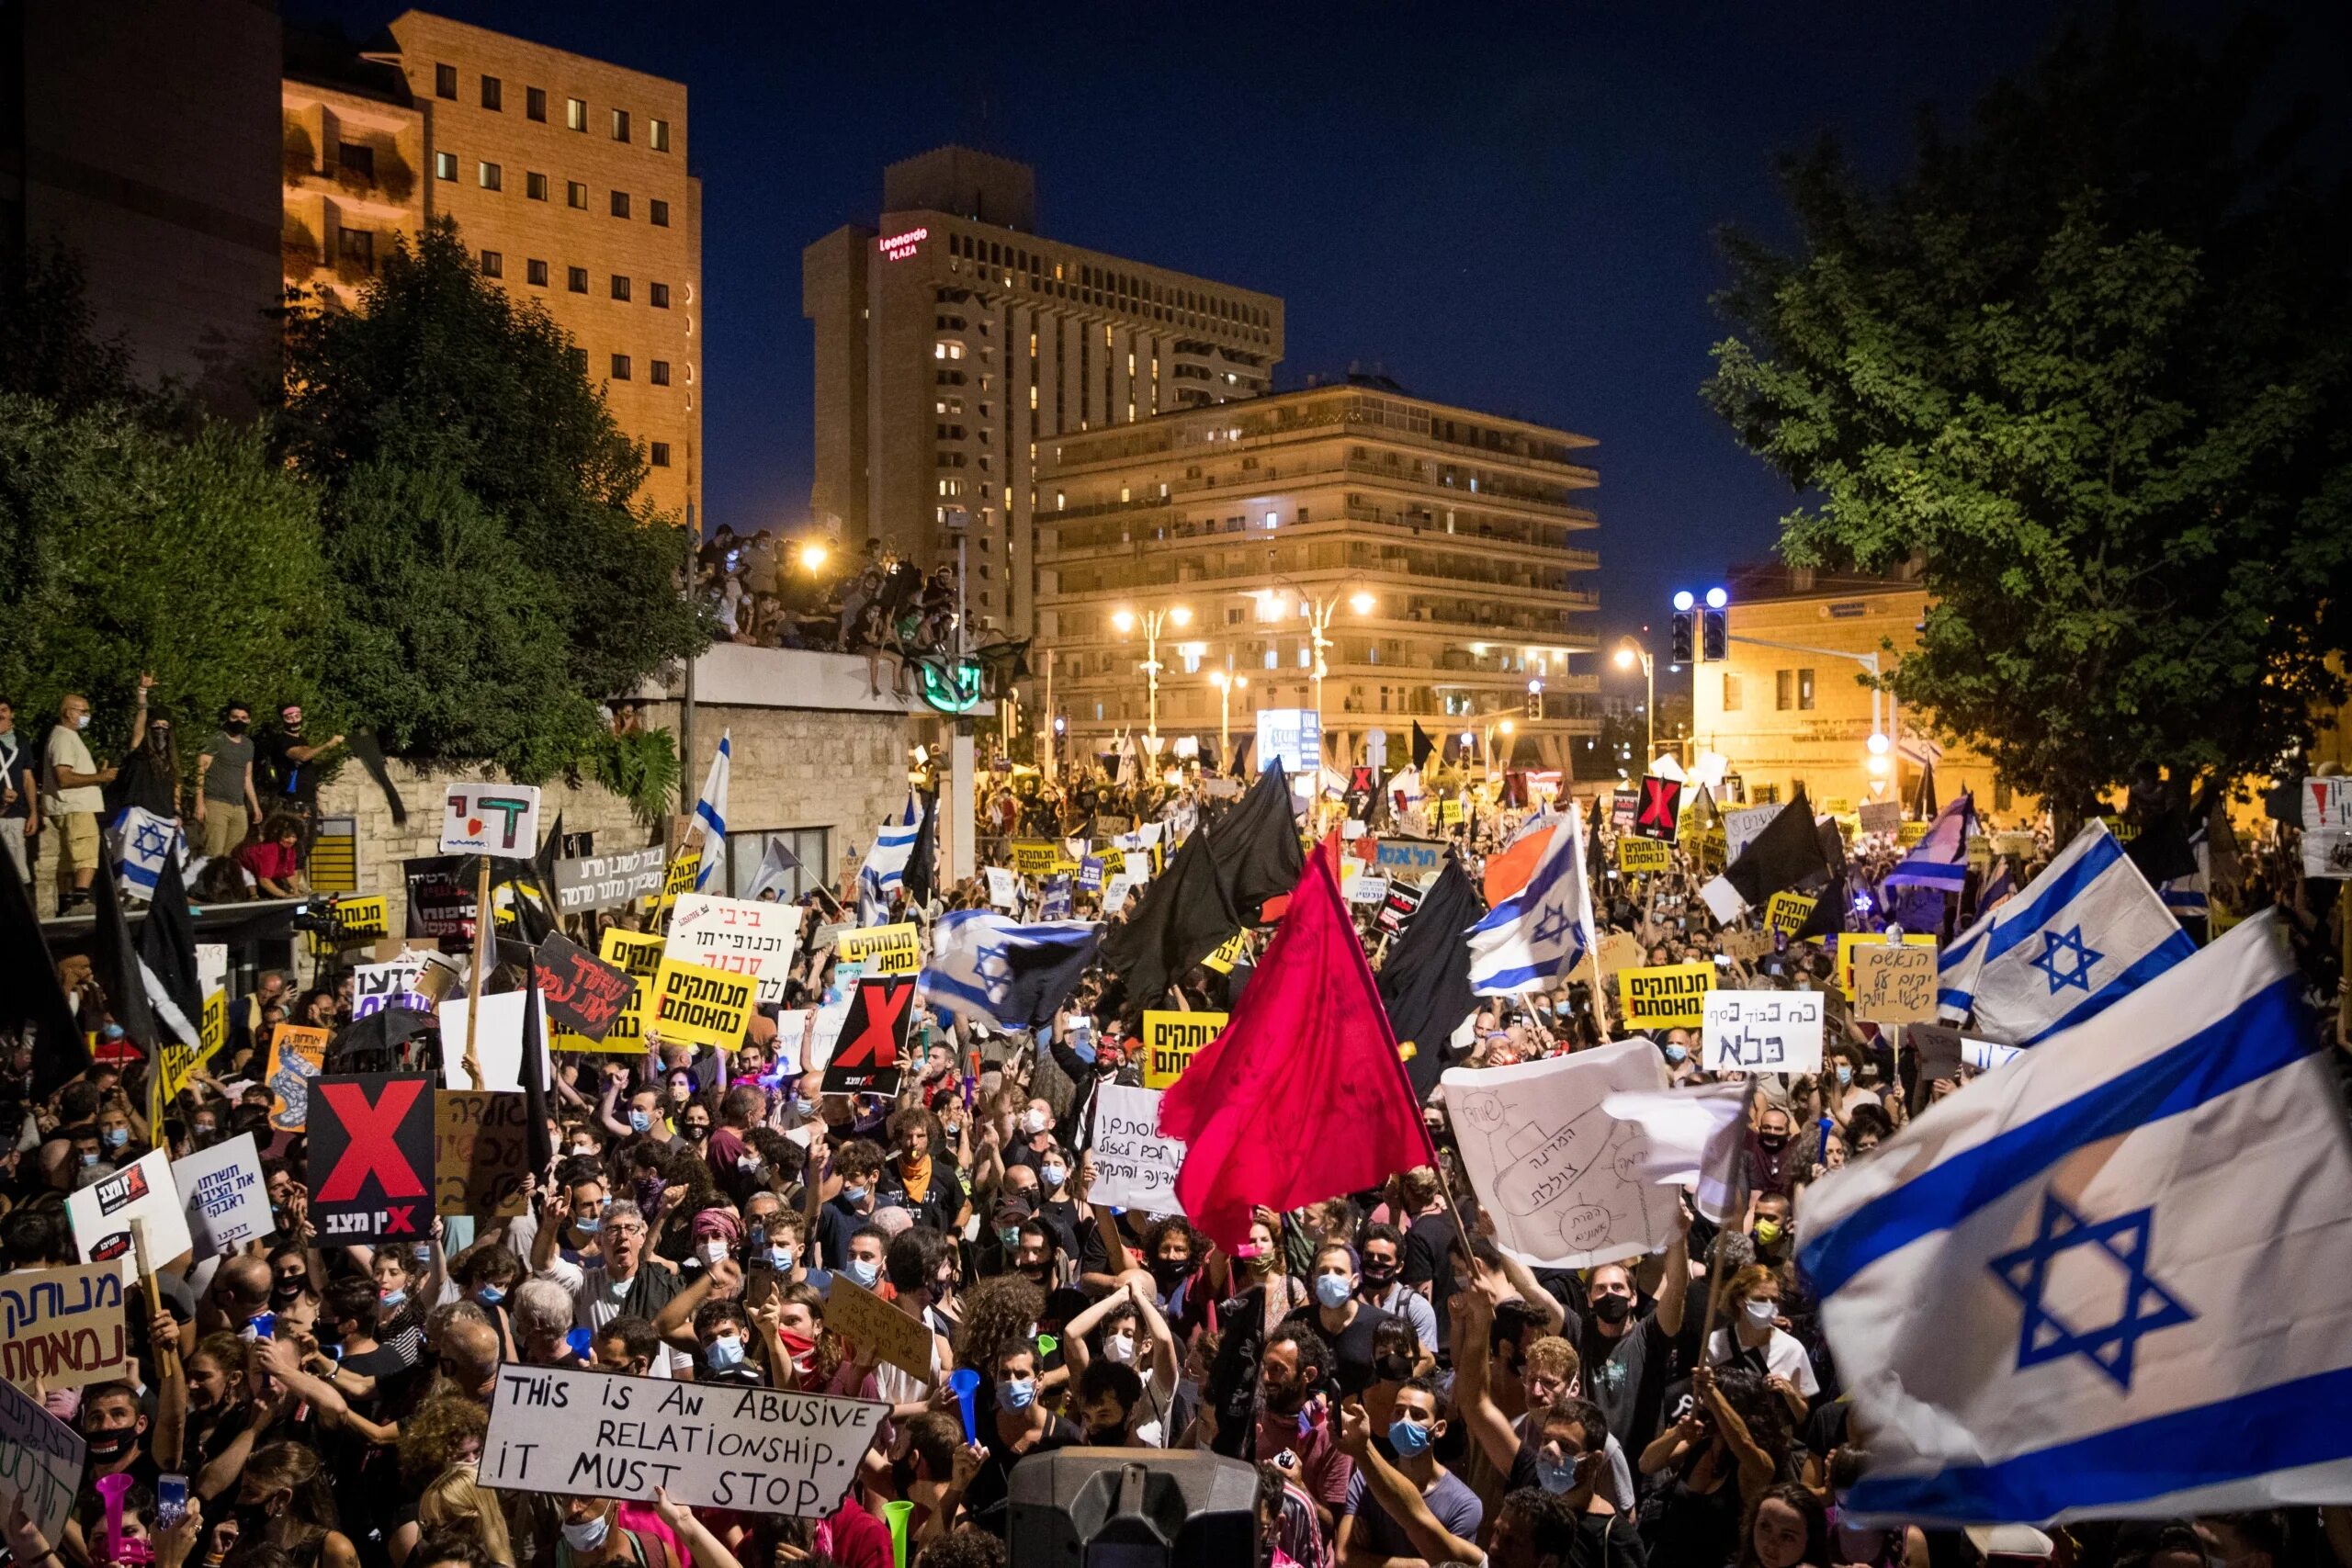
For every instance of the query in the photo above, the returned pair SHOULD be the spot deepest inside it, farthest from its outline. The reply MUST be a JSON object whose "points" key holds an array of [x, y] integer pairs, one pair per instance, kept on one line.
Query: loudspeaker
{"points": [[1132, 1508]]}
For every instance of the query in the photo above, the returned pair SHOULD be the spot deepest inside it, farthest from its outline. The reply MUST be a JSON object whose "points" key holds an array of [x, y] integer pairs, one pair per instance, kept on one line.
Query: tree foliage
{"points": [[497, 570], [2091, 363]]}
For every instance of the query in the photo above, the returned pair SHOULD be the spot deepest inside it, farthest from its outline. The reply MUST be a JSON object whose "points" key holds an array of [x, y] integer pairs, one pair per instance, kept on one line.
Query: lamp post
{"points": [[1507, 727], [1226, 686], [1629, 653], [1152, 621], [1319, 613]]}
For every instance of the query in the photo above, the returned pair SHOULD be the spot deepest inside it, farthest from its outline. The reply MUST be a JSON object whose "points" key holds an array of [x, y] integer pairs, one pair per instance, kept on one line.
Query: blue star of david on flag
{"points": [[152, 842], [1551, 923], [2147, 1305], [995, 971], [2077, 970]]}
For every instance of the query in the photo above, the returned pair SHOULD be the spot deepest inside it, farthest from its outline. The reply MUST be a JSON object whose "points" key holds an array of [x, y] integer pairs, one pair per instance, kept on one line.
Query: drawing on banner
{"points": [[872, 1041], [1761, 1032], [1170, 1041], [101, 1212], [1134, 1168], [499, 820], [759, 1451], [228, 1203], [1560, 1175], [296, 1057], [63, 1328], [740, 936]]}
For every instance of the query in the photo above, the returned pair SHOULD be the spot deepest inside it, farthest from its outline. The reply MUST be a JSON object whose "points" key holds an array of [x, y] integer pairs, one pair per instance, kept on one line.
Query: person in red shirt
{"points": [[274, 856]]}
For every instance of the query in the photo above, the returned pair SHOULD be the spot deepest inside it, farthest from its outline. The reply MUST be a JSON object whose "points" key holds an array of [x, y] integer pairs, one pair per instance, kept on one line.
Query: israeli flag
{"points": [[2107, 1280], [2184, 896], [989, 968], [147, 842], [1536, 936], [2085, 934], [1940, 858], [883, 870], [710, 816]]}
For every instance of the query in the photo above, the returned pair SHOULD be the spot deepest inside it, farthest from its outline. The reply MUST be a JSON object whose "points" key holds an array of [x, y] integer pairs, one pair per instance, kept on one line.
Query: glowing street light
{"points": [[1630, 653], [1682, 599], [1716, 600], [812, 554], [1226, 686], [1153, 621]]}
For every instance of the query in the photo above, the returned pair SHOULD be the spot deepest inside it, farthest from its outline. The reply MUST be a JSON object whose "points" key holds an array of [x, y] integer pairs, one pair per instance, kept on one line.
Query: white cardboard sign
{"points": [[499, 1042], [1761, 1032], [739, 935], [500, 819], [227, 1204], [142, 1190], [1135, 1167], [43, 1468]]}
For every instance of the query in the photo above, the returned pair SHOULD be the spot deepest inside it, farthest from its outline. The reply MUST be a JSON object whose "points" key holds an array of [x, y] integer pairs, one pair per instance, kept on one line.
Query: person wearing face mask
{"points": [[1346, 1323], [1019, 1425], [724, 1346], [76, 794], [921, 1263], [1626, 1353], [1382, 1286], [285, 1498], [857, 1163], [1751, 1335], [1367, 1531], [150, 777], [1032, 1136], [1681, 1063], [1126, 1329], [1772, 1153], [593, 1537], [487, 1274], [1769, 1224], [226, 803]]}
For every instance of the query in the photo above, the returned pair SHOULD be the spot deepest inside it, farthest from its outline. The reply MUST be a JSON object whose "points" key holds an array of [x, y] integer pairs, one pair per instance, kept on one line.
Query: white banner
{"points": [[1741, 824], [142, 1190], [1761, 1032], [498, 1042], [1004, 887], [374, 987], [1134, 1168], [42, 1468], [757, 1450], [1562, 1178], [736, 935], [227, 1203]]}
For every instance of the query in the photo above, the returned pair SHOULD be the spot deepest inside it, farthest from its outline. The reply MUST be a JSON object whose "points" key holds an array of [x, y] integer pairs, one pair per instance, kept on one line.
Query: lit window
{"points": [[575, 195], [444, 165], [1033, 397], [1272, 518], [491, 176], [494, 264], [576, 113], [660, 454], [621, 366], [620, 125], [657, 135], [444, 81]]}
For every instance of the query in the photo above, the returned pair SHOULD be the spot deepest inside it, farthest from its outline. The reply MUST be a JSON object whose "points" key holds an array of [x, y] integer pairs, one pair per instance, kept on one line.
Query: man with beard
{"points": [[1296, 1430]]}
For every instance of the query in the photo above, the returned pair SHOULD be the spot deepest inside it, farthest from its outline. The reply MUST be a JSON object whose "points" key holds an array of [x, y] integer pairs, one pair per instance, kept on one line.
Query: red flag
{"points": [[1302, 1098]]}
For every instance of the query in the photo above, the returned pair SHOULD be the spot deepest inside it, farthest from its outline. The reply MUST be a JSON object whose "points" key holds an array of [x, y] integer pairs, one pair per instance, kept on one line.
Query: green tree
{"points": [[2089, 363], [498, 570], [125, 549]]}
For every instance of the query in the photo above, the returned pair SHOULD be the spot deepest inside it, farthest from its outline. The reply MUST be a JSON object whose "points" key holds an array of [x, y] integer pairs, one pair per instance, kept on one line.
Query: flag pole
{"points": [[482, 913], [1736, 1207]]}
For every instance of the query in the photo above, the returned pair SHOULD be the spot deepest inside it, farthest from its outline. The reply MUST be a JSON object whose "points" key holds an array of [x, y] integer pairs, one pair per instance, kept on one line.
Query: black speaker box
{"points": [[1082, 1508]]}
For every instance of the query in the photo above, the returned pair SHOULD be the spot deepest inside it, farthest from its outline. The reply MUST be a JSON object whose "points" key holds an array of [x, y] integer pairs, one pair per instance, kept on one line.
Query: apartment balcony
{"points": [[1329, 422], [1276, 477], [1414, 581]]}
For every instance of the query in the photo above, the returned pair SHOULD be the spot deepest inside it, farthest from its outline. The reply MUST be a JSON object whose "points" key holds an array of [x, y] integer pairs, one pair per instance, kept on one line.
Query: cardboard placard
{"points": [[1637, 854], [1849, 941], [371, 1151], [1745, 946], [1666, 996], [1004, 887], [592, 1434], [865, 1058], [1785, 913], [1895, 985], [1229, 952], [1660, 813], [1882, 815], [608, 881], [440, 897], [696, 1005], [1741, 824], [101, 1212], [498, 819], [1170, 1041], [296, 1057], [876, 1327], [584, 995], [1038, 857], [482, 1152], [43, 1468], [887, 951], [1134, 1168], [364, 919], [63, 1327], [1761, 1032], [226, 1201], [739, 935]]}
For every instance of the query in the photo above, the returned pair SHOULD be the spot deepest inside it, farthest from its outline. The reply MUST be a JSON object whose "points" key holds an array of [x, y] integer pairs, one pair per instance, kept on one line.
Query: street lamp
{"points": [[1319, 613], [1153, 621], [1630, 653], [1226, 686], [812, 554]]}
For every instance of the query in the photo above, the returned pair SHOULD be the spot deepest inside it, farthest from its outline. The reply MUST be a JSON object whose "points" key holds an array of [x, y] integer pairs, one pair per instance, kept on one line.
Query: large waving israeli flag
{"points": [[710, 816], [1536, 936], [884, 871], [988, 967], [2107, 1279], [2085, 934]]}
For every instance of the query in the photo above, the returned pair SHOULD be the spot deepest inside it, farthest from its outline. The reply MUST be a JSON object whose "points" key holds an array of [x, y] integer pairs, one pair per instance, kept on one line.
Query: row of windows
{"points": [[534, 106], [534, 273], [1122, 287], [492, 176], [1792, 690]]}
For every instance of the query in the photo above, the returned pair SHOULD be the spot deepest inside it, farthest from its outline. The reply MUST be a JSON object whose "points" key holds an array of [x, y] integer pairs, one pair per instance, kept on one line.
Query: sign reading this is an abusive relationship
{"points": [[759, 1451]]}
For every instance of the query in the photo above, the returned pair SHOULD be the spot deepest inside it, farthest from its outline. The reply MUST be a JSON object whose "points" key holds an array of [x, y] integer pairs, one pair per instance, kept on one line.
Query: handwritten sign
{"points": [[1170, 1041], [40, 1463], [887, 951], [1882, 815], [1666, 996], [876, 1327], [1895, 985], [696, 1005], [757, 1450], [584, 994], [607, 882], [1643, 855], [1850, 943], [63, 1327], [740, 936], [1004, 886], [482, 1152], [1134, 1168], [1761, 1032], [296, 1057], [1786, 913], [1741, 824], [499, 820], [227, 1201]]}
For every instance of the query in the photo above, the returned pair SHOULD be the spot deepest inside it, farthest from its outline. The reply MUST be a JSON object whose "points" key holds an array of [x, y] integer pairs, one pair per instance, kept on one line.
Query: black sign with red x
{"points": [[1662, 809], [874, 1038], [371, 1157]]}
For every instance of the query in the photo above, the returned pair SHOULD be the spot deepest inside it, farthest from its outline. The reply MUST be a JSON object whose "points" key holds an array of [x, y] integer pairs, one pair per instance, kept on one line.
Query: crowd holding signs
{"points": [[1508, 1176]]}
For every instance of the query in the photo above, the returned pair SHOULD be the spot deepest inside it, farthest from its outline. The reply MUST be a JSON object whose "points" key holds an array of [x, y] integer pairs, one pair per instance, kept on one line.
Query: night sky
{"points": [[1509, 208]]}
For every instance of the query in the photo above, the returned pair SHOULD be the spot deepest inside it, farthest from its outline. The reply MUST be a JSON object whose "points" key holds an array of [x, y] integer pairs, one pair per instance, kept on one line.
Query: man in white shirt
{"points": [[77, 791]]}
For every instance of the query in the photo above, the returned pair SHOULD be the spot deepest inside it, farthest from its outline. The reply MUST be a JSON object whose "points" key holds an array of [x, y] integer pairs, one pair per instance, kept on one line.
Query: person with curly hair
{"points": [[1787, 1527]]}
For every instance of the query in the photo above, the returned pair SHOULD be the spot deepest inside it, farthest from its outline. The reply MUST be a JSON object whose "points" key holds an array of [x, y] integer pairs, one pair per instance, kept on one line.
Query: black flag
{"points": [[1787, 855], [1423, 746], [540, 1141], [1238, 766], [1184, 916], [1425, 982], [115, 962], [166, 944], [921, 873], [1255, 847], [32, 1003]]}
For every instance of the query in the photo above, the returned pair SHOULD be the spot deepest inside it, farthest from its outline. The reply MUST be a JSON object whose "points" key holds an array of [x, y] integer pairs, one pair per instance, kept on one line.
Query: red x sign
{"points": [[1661, 808], [866, 1060], [374, 1149]]}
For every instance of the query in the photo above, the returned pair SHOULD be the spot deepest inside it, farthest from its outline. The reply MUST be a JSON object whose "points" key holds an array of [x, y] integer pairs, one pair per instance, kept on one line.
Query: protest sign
{"points": [[482, 1152], [440, 898], [63, 1327], [1619, 950], [607, 882], [1402, 899], [592, 1434], [1984, 1056], [1004, 887], [1054, 898], [212, 981], [679, 877], [1037, 857], [1643, 855], [739, 935], [500, 819], [1741, 824], [1228, 952], [1090, 872], [887, 951], [1745, 946], [1660, 813], [1848, 942], [101, 1212], [1367, 890], [1909, 833], [1451, 813], [1895, 985], [227, 1201], [497, 1041], [696, 1005], [1882, 815], [372, 1149], [1623, 805], [296, 1057], [1134, 1168], [2327, 828], [873, 1038], [1785, 913], [363, 918], [2018, 846], [1761, 1032], [1114, 894], [374, 987], [1409, 858], [40, 1463], [635, 953], [1668, 995], [877, 1329], [1560, 1175], [1170, 1041], [584, 993]]}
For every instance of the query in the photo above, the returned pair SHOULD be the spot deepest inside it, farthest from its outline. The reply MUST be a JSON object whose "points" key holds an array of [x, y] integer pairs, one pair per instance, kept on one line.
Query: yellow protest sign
{"points": [[1910, 833], [1895, 985], [1847, 942], [1980, 851], [885, 951], [215, 1025], [1785, 913], [624, 1038], [696, 1005], [685, 866], [370, 917], [1449, 813], [1642, 855], [1229, 952], [633, 953], [1039, 857], [1170, 1041], [1666, 996]]}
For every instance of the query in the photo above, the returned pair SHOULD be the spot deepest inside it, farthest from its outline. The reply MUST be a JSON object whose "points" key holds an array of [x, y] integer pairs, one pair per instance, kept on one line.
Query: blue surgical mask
{"points": [[588, 1224], [853, 1194], [588, 1534], [780, 1259], [392, 1298], [1408, 1436], [864, 1272], [489, 1295], [1845, 1074], [1053, 1175], [639, 1122], [724, 1352], [803, 1105], [1016, 1394], [1333, 1289], [1009, 1236], [115, 1136], [1676, 1053]]}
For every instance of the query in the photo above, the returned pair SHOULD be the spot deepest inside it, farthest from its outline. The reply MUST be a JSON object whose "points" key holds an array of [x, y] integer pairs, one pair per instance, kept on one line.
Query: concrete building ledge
{"points": [[734, 674]]}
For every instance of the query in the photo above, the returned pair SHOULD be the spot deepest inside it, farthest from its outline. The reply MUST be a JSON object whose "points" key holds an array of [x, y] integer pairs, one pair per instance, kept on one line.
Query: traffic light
{"points": [[1677, 641], [1715, 637], [1535, 699]]}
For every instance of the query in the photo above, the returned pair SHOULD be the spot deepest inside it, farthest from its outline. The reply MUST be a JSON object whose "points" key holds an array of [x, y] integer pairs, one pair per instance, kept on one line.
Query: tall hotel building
{"points": [[952, 342], [566, 177], [1438, 541]]}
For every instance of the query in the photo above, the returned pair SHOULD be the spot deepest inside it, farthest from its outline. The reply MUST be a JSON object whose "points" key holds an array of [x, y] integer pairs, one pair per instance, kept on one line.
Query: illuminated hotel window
{"points": [[657, 135], [491, 176], [576, 113], [620, 125], [575, 195], [444, 165]]}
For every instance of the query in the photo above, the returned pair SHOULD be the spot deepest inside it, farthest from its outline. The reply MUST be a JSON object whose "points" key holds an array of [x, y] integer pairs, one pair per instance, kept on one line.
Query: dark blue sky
{"points": [[1509, 208]]}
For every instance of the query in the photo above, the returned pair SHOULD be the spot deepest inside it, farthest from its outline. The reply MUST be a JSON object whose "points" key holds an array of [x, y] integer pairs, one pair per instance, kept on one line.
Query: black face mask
{"points": [[696, 1131], [285, 1294], [1613, 1309], [1169, 1272], [237, 725], [108, 1446], [1774, 1141], [1392, 1368], [1378, 1273]]}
